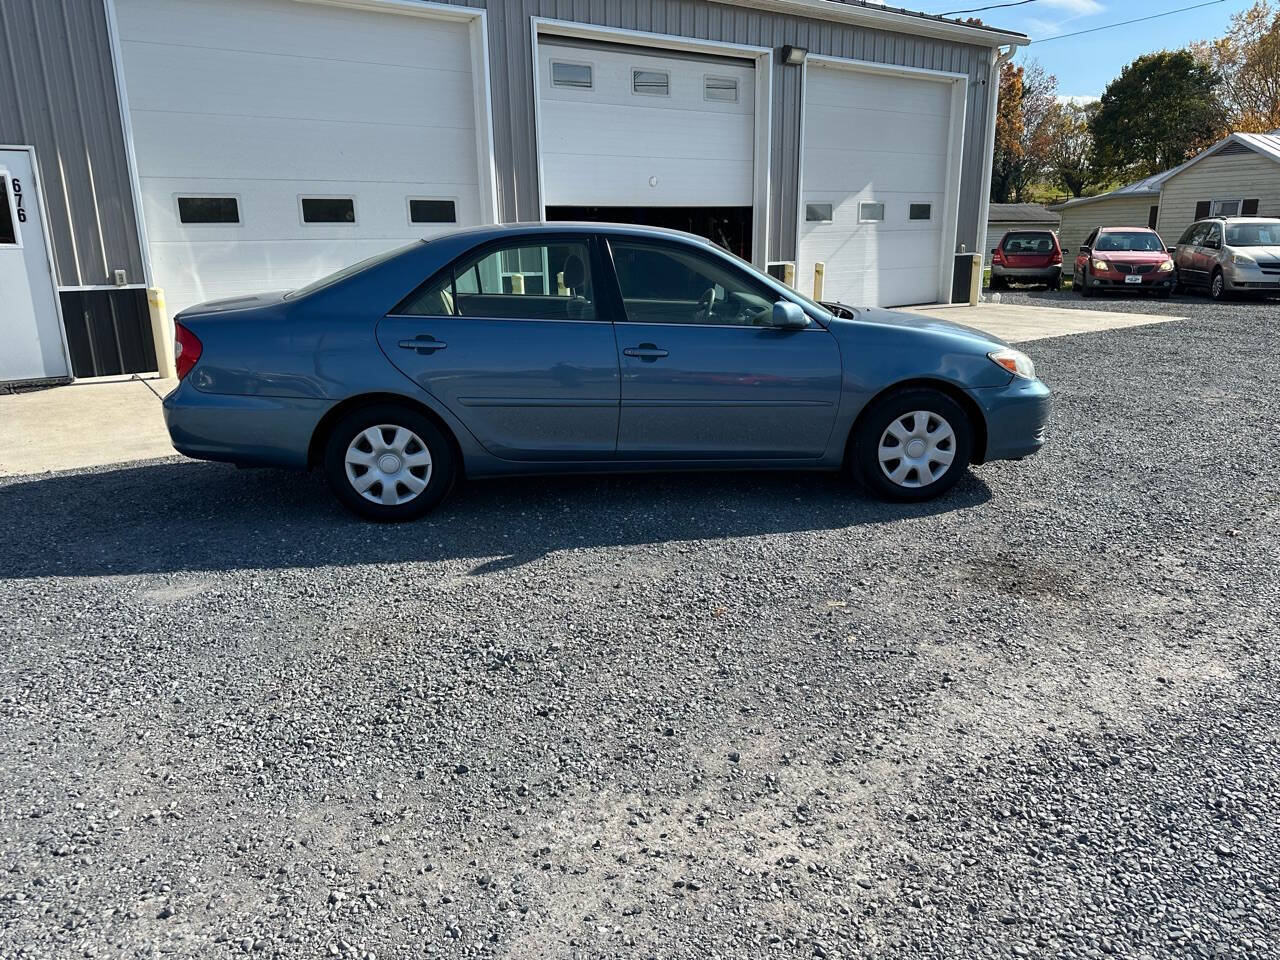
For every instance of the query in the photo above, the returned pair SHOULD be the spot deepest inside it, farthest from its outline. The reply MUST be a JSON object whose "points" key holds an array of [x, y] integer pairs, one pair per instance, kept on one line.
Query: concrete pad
{"points": [[85, 424], [1017, 323]]}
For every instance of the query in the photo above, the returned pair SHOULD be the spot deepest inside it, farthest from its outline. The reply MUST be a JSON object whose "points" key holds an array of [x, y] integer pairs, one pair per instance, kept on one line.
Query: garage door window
{"points": [[523, 282], [652, 83], [573, 75], [921, 211], [817, 212], [870, 212], [208, 210], [422, 210], [328, 210], [661, 284], [720, 88]]}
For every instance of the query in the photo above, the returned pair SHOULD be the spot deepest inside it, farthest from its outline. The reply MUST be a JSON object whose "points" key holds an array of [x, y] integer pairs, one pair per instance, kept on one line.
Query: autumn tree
{"points": [[1247, 63], [1071, 146], [1023, 129], [1159, 112]]}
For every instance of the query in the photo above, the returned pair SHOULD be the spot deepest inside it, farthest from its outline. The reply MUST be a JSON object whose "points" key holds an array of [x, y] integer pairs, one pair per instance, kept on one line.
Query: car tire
{"points": [[412, 463], [1218, 287], [1054, 285], [929, 426], [1085, 290], [997, 283]]}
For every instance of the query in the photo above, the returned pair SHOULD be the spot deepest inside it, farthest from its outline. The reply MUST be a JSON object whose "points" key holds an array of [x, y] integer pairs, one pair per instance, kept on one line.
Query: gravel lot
{"points": [[707, 716]]}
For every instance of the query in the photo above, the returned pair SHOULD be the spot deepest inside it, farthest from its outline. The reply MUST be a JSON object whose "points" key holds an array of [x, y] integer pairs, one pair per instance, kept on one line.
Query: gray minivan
{"points": [[1228, 256]]}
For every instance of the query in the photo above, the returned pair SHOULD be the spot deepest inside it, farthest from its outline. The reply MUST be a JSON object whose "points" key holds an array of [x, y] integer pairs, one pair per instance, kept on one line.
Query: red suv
{"points": [[1027, 256], [1124, 258]]}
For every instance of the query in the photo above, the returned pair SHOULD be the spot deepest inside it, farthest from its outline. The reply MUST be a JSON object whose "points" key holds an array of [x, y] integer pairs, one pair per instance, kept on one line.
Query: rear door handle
{"points": [[424, 343], [646, 351]]}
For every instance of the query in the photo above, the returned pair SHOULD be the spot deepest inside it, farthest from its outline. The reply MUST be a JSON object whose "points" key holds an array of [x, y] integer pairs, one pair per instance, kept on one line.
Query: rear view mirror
{"points": [[789, 316]]}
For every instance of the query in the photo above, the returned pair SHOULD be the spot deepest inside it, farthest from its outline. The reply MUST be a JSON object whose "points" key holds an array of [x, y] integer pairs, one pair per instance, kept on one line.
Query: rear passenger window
{"points": [[521, 282]]}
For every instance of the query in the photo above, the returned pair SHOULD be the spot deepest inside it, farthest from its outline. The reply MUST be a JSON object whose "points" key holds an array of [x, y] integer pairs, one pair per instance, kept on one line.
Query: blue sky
{"points": [[1084, 65]]}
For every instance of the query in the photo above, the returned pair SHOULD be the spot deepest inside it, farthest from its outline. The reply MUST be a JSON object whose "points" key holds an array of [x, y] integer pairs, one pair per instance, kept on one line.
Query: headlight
{"points": [[1015, 361], [1166, 266], [1101, 265], [1243, 258]]}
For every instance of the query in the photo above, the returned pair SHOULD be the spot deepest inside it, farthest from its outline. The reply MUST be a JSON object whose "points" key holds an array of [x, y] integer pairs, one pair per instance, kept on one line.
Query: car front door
{"points": [[705, 375], [1207, 251], [510, 339], [1082, 256]]}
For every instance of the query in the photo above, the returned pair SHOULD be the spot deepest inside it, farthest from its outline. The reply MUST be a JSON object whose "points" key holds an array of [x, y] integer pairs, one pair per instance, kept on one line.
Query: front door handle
{"points": [[424, 343], [647, 352]]}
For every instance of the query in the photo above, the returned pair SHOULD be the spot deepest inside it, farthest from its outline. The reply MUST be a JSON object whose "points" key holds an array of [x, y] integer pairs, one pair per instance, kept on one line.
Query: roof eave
{"points": [[886, 19], [1084, 201]]}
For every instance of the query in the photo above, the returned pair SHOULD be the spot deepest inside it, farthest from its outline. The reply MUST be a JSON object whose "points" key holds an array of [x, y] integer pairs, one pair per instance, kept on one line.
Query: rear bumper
{"points": [[1028, 274], [1017, 415], [250, 430]]}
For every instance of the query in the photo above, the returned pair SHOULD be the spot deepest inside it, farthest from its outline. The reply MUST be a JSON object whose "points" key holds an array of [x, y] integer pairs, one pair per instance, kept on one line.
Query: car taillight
{"points": [[186, 349], [997, 257], [1057, 257]]}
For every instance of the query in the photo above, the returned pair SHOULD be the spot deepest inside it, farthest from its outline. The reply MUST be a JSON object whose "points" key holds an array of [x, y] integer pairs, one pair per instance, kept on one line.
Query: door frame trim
{"points": [[48, 249], [955, 145], [762, 124]]}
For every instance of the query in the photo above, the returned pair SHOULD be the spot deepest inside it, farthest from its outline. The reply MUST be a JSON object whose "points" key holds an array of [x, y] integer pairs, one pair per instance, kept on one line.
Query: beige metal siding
{"points": [[1078, 222], [1236, 177]]}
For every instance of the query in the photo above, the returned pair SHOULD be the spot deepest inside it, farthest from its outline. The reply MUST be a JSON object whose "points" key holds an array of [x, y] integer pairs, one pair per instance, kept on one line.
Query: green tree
{"points": [[1071, 146], [1160, 111], [1024, 121]]}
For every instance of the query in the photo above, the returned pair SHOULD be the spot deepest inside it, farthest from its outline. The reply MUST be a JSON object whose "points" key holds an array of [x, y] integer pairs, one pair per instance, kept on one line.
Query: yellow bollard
{"points": [[975, 280], [517, 284], [789, 274], [819, 271], [161, 333]]}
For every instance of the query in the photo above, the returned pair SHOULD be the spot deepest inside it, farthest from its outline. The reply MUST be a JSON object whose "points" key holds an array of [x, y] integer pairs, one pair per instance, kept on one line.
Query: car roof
{"points": [[1125, 229], [533, 227]]}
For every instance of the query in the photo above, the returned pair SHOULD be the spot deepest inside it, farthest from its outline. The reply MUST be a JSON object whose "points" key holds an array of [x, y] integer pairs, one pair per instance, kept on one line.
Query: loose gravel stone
{"points": [[1038, 717]]}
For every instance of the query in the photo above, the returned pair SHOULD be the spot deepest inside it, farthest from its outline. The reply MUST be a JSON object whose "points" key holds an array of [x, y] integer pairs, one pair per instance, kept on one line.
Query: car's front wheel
{"points": [[913, 444], [388, 463]]}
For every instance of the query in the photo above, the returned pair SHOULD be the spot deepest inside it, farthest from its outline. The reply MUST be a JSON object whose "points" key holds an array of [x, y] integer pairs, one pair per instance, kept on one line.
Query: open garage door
{"points": [[641, 135], [276, 141], [879, 183]]}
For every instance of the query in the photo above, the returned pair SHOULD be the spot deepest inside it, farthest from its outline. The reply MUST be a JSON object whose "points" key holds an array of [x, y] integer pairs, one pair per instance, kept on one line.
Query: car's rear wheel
{"points": [[912, 445], [997, 283], [388, 463], [1055, 284]]}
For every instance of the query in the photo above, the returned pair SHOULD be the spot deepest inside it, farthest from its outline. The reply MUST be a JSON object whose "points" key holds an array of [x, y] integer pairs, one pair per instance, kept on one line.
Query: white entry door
{"points": [[31, 341]]}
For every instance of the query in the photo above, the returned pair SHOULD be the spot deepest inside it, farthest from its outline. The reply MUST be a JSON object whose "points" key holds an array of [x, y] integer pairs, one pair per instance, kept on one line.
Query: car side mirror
{"points": [[1066, 249], [1170, 250], [789, 316], [997, 250]]}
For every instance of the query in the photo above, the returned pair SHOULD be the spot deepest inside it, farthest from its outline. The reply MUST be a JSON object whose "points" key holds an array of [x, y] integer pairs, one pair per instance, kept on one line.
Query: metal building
{"points": [[209, 148]]}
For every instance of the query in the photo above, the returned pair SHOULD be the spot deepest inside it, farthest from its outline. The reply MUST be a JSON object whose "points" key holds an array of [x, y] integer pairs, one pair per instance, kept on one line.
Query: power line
{"points": [[1125, 23], [994, 6]]}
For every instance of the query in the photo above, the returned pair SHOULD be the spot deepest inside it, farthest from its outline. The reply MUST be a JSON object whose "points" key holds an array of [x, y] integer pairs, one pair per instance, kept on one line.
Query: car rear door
{"points": [[1190, 261], [704, 373], [512, 341]]}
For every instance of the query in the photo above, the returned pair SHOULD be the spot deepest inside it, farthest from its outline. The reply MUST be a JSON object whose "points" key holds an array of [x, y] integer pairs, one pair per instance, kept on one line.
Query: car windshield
{"points": [[1254, 234], [809, 301], [1028, 243], [350, 271], [1140, 241]]}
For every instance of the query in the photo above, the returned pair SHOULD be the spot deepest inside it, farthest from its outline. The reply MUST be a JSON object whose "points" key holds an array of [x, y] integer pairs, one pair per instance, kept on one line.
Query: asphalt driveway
{"points": [[699, 716]]}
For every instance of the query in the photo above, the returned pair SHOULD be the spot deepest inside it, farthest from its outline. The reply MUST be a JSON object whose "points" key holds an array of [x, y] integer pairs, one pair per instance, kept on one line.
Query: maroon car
{"points": [[1027, 256], [1124, 258]]}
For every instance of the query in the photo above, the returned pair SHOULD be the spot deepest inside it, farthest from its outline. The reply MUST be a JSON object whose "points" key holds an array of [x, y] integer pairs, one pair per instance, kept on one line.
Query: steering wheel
{"points": [[706, 305]]}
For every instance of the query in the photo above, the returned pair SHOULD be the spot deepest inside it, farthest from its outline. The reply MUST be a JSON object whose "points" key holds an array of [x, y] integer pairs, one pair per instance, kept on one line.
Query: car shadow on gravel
{"points": [[184, 516]]}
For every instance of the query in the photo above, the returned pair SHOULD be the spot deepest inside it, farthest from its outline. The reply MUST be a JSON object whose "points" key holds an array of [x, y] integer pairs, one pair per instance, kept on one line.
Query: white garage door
{"points": [[622, 128], [874, 185], [277, 141]]}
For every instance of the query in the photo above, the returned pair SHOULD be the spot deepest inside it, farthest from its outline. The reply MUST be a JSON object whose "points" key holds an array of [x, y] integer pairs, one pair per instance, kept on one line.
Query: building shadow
{"points": [[188, 516]]}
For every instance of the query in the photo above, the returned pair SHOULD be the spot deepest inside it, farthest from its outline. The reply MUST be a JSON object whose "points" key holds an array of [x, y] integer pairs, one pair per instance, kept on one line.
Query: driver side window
{"points": [[668, 284]]}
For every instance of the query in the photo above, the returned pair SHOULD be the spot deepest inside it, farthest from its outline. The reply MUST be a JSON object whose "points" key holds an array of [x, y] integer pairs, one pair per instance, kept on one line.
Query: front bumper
{"points": [[1120, 281], [1017, 415], [1241, 276], [248, 430]]}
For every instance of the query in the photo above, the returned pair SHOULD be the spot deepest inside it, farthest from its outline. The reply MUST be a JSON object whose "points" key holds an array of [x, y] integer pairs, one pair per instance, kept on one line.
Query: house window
{"points": [[921, 211], [328, 210], [422, 210], [208, 210], [1225, 208], [574, 75], [653, 83], [817, 212], [720, 88], [1153, 216], [870, 212]]}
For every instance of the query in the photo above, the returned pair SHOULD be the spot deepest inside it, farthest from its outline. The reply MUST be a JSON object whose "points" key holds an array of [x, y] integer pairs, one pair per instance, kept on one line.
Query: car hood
{"points": [[1259, 253], [1131, 256], [949, 329]]}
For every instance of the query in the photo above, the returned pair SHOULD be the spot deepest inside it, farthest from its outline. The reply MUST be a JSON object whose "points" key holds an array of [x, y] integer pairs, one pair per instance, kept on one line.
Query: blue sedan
{"points": [[556, 348]]}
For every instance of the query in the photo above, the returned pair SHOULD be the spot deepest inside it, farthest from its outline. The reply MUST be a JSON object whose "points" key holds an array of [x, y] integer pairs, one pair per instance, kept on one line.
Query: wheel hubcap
{"points": [[917, 448], [388, 464]]}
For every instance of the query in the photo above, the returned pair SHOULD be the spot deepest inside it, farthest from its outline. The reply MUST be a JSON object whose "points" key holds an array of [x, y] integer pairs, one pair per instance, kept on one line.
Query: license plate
{"points": [[1132, 279]]}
